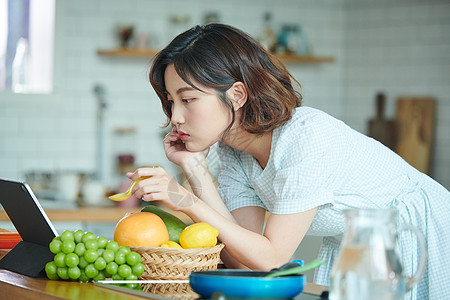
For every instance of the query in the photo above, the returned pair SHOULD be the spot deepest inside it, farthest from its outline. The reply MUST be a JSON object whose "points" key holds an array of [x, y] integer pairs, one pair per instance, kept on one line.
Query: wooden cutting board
{"points": [[416, 121], [380, 128]]}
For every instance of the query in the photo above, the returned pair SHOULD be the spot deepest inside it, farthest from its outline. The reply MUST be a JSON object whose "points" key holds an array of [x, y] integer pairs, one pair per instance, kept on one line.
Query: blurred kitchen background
{"points": [[93, 114]]}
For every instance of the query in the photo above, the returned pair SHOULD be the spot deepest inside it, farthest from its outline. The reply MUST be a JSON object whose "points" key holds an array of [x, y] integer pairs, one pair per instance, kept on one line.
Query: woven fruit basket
{"points": [[163, 263], [170, 290]]}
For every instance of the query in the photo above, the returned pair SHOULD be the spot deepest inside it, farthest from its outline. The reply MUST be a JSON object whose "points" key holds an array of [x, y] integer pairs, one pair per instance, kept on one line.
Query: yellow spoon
{"points": [[127, 194]]}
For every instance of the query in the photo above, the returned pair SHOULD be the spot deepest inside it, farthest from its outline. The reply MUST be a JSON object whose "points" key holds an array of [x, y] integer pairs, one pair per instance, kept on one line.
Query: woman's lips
{"points": [[182, 135]]}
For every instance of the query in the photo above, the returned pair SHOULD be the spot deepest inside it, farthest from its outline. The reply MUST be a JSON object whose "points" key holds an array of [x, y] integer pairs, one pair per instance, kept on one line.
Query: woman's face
{"points": [[200, 117]]}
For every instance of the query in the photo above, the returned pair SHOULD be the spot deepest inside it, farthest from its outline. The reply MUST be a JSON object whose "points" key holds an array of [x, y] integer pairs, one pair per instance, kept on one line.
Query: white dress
{"points": [[318, 161]]}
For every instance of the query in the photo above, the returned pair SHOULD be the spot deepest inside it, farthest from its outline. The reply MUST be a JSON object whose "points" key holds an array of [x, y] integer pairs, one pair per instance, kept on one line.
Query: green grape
{"points": [[52, 276], [133, 258], [68, 247], [131, 277], [57, 238], [138, 288], [108, 255], [112, 245], [59, 260], [120, 258], [88, 236], [74, 273], [101, 242], [90, 255], [100, 263], [72, 260], [62, 272], [50, 267], [91, 244], [91, 271], [138, 269], [100, 252], [67, 236], [55, 246], [132, 285], [83, 276], [116, 277], [111, 268], [83, 262], [124, 249], [80, 249], [100, 276], [124, 270], [77, 235]]}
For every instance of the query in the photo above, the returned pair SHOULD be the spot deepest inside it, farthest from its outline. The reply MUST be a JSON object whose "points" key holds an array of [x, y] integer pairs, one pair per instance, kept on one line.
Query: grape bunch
{"points": [[84, 257]]}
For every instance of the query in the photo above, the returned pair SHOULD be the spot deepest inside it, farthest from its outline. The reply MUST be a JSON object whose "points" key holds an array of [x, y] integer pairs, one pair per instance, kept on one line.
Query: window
{"points": [[26, 45]]}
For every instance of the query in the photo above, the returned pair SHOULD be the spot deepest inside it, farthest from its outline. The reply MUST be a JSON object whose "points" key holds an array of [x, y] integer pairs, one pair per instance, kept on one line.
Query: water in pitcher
{"points": [[368, 264], [358, 276]]}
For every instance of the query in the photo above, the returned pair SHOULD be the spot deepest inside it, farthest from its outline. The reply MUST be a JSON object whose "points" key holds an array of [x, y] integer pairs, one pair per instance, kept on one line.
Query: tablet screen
{"points": [[25, 212]]}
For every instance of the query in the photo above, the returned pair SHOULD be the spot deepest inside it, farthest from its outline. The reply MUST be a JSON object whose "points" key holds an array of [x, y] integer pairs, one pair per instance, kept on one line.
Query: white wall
{"points": [[57, 132], [401, 49]]}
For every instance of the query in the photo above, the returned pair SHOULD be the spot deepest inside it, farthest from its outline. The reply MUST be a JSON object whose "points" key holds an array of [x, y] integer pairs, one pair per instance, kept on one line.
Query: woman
{"points": [[217, 84]]}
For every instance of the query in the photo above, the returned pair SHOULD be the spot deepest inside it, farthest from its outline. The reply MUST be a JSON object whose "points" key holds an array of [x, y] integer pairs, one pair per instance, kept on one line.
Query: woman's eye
{"points": [[170, 101], [187, 100]]}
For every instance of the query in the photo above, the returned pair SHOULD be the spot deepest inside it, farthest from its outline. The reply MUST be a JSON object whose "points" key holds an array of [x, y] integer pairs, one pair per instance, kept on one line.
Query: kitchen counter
{"points": [[93, 214], [96, 219], [16, 286]]}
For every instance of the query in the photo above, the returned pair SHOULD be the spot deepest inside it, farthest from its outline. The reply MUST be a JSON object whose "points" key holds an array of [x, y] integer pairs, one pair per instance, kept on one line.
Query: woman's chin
{"points": [[193, 147]]}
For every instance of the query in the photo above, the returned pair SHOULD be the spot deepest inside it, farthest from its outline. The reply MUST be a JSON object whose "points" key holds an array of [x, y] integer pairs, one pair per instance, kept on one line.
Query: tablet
{"points": [[25, 212]]}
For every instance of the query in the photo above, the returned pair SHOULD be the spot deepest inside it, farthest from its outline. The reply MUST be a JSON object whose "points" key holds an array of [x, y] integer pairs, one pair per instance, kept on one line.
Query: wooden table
{"points": [[16, 286]]}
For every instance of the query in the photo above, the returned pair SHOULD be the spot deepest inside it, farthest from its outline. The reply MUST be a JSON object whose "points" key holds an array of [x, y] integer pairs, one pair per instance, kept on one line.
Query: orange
{"points": [[142, 229]]}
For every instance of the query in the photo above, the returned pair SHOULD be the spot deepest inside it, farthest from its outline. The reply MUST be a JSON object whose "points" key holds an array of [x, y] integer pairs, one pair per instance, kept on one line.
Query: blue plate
{"points": [[246, 284]]}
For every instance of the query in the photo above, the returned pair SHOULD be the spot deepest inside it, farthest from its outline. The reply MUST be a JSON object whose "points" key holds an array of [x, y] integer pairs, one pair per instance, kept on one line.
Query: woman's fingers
{"points": [[171, 136], [152, 183], [155, 196], [149, 172], [160, 186]]}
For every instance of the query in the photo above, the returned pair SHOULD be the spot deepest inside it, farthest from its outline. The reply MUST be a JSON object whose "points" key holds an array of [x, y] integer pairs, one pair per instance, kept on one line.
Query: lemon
{"points": [[199, 235], [171, 244]]}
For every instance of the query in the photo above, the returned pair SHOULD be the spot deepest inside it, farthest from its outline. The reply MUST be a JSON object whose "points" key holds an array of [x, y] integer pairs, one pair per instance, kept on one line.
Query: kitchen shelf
{"points": [[289, 58], [304, 59], [128, 52]]}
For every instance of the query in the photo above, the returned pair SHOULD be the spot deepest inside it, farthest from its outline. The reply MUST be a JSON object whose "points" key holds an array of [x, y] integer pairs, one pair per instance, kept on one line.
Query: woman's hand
{"points": [[161, 186], [176, 151]]}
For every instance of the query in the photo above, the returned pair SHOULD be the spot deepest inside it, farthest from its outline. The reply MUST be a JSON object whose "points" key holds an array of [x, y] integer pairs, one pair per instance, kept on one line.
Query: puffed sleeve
{"points": [[234, 186], [308, 155]]}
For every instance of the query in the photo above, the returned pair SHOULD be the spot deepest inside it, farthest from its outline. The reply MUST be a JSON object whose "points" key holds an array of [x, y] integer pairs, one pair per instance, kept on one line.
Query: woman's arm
{"points": [[240, 232], [281, 237], [251, 218], [202, 184], [196, 171]]}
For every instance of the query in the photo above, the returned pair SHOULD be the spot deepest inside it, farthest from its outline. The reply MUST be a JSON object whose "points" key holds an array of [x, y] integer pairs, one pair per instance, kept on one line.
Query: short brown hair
{"points": [[216, 56]]}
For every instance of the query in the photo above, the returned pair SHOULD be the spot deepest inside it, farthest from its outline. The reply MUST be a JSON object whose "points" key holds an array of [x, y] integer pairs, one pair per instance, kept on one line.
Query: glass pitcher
{"points": [[368, 265]]}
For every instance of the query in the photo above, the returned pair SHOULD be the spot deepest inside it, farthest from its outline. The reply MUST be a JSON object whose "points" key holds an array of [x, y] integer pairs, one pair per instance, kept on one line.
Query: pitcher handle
{"points": [[415, 278]]}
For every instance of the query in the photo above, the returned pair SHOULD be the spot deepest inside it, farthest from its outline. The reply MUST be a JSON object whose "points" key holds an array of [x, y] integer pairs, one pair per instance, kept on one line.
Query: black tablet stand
{"points": [[30, 255], [27, 258]]}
